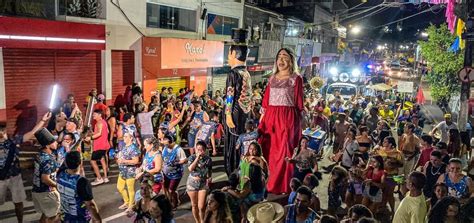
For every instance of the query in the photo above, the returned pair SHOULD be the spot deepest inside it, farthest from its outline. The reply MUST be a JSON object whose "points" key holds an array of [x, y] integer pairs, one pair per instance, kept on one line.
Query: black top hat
{"points": [[239, 37], [44, 137]]}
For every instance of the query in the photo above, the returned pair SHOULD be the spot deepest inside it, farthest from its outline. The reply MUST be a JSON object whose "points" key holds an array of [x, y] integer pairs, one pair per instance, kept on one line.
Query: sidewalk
{"points": [[432, 111]]}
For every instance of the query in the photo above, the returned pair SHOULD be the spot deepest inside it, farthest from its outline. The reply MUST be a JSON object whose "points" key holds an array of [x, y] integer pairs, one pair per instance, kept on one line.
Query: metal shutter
{"points": [[77, 72], [30, 73], [219, 82], [175, 82], [123, 74]]}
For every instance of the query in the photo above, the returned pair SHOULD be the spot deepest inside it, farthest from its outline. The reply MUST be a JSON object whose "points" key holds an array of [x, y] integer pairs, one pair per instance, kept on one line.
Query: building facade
{"points": [[115, 53]]}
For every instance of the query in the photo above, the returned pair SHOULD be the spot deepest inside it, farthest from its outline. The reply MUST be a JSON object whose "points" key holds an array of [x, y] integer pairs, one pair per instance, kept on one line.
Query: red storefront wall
{"points": [[32, 67]]}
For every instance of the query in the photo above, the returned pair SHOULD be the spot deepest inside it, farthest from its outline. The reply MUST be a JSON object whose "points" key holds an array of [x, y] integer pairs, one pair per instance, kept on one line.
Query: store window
{"points": [[221, 25], [166, 17]]}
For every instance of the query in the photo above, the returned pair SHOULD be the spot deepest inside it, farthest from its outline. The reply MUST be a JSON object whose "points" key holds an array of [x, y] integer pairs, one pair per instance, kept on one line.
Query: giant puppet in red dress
{"points": [[280, 127]]}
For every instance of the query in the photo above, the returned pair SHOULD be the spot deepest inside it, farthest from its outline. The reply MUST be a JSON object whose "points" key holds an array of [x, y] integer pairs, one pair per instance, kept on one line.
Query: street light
{"points": [[424, 34], [356, 30], [294, 32], [333, 71]]}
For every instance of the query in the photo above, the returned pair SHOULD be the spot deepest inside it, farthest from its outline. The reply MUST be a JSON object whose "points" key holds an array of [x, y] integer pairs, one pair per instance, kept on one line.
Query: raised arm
{"points": [[31, 134]]}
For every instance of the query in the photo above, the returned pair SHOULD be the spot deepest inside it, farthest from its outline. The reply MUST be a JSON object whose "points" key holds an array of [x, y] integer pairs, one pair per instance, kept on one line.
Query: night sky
{"points": [[409, 26]]}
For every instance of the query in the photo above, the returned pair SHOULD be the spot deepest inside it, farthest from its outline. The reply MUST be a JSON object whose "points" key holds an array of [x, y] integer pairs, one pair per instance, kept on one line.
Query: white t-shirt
{"points": [[146, 127], [443, 128]]}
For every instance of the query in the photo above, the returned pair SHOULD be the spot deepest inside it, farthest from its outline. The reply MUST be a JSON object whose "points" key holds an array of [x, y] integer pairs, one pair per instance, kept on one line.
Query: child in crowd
{"points": [[356, 180], [244, 140], [311, 181], [294, 185]]}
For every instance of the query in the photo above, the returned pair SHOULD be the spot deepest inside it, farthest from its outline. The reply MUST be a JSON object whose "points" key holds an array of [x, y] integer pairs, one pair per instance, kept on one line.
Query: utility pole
{"points": [[468, 36]]}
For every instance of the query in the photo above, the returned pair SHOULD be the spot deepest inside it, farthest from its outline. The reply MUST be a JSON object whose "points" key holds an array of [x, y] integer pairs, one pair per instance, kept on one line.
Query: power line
{"points": [[350, 16], [378, 11], [363, 11], [383, 4], [424, 11]]}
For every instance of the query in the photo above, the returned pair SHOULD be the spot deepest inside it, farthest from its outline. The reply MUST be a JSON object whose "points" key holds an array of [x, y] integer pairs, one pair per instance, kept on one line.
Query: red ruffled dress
{"points": [[280, 129]]}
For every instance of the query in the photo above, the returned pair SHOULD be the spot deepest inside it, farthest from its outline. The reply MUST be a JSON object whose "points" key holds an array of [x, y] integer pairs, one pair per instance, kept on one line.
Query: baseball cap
{"points": [[447, 115], [100, 97]]}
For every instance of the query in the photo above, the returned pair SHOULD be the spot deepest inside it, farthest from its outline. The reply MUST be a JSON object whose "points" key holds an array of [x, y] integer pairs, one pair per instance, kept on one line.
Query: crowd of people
{"points": [[377, 147]]}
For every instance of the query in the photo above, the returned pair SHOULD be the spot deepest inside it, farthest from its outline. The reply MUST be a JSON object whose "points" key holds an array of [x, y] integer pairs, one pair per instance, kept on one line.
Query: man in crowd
{"points": [[77, 201], [340, 130], [100, 147], [300, 211], [144, 119], [444, 128], [44, 193], [320, 120], [387, 114], [10, 172], [100, 105], [413, 207], [334, 98], [372, 119], [426, 149], [356, 113], [418, 131], [164, 97], [71, 127], [410, 147]]}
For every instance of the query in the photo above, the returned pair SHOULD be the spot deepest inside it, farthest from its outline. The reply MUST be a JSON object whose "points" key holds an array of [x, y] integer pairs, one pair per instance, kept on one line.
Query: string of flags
{"points": [[458, 43]]}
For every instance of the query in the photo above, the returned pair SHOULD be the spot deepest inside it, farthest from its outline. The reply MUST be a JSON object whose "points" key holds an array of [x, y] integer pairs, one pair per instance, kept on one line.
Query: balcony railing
{"points": [[94, 9], [50, 9], [29, 8]]}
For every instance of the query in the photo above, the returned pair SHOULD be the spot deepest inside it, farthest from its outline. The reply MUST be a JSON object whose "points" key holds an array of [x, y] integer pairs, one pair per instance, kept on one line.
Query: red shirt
{"points": [[102, 143], [375, 177], [425, 156], [102, 107]]}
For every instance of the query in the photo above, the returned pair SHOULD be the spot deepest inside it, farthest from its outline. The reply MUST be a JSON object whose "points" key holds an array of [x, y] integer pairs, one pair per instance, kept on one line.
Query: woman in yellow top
{"points": [[387, 114], [326, 109], [393, 160]]}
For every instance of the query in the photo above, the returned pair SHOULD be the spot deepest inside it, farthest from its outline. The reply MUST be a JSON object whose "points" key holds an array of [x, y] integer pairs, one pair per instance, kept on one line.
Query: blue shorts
{"points": [[191, 140]]}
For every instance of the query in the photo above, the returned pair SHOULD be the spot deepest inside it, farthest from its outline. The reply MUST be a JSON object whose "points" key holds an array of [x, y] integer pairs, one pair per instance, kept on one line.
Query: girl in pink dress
{"points": [[280, 126]]}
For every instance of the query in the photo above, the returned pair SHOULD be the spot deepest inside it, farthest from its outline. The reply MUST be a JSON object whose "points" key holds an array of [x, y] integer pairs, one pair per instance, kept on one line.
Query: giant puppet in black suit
{"points": [[237, 98]]}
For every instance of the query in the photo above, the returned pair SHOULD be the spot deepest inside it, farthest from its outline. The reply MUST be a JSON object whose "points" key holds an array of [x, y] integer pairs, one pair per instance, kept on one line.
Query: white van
{"points": [[346, 90]]}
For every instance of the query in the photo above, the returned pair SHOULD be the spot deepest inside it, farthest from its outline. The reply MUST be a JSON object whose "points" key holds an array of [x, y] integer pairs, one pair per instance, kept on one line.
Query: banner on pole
{"points": [[405, 86]]}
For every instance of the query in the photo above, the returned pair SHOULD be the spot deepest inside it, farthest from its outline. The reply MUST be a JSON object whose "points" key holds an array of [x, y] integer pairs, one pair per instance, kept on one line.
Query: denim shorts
{"points": [[196, 184]]}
